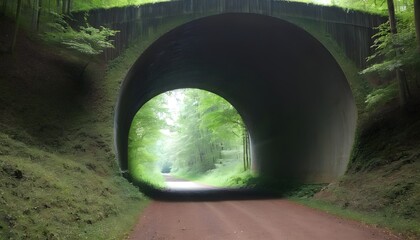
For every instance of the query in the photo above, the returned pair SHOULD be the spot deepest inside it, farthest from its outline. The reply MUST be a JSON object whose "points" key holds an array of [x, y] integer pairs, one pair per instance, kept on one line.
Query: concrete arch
{"points": [[290, 91]]}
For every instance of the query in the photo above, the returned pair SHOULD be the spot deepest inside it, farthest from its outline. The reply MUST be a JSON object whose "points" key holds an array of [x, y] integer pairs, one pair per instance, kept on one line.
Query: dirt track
{"points": [[246, 220], [254, 219]]}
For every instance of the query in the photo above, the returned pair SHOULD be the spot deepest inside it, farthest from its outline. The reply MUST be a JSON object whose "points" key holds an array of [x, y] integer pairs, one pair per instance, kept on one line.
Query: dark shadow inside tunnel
{"points": [[290, 91]]}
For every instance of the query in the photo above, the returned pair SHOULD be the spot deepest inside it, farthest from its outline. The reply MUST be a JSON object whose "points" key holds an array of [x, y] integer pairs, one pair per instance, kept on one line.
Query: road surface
{"points": [[176, 184], [263, 219]]}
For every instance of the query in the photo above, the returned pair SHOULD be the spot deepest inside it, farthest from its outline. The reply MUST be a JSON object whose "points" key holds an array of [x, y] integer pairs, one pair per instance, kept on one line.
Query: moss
{"points": [[58, 174]]}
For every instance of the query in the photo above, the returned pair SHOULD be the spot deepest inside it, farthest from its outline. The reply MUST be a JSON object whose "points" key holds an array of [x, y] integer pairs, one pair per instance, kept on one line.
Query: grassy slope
{"points": [[383, 180], [58, 175], [382, 185], [228, 173]]}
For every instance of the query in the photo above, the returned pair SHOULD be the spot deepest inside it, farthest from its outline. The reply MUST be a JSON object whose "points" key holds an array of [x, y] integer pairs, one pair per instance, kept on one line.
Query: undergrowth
{"points": [[58, 175], [47, 195], [230, 174]]}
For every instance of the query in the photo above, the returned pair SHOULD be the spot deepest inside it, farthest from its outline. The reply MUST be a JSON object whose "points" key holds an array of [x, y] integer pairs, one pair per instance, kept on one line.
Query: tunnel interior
{"points": [[289, 90]]}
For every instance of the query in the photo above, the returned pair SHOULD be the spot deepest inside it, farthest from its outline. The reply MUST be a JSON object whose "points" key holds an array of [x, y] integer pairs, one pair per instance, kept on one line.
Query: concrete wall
{"points": [[290, 91], [352, 30]]}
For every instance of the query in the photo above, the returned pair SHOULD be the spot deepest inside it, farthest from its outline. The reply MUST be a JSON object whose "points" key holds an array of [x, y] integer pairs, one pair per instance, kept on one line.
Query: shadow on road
{"points": [[181, 190], [210, 195]]}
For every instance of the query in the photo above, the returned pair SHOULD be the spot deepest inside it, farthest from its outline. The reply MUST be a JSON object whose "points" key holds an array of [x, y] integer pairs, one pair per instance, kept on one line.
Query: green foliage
{"points": [[207, 125], [93, 4], [143, 136], [373, 6], [381, 96], [186, 131], [47, 195], [228, 172], [393, 51], [86, 40]]}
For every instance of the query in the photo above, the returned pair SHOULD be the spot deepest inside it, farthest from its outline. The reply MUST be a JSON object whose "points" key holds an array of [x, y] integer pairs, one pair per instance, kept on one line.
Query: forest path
{"points": [[177, 184], [246, 220]]}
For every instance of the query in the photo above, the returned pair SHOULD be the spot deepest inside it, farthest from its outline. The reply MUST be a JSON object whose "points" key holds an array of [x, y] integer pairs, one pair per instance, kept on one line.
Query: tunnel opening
{"points": [[290, 91], [189, 134]]}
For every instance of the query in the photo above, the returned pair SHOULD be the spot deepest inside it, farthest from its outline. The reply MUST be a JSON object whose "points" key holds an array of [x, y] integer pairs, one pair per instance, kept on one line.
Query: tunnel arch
{"points": [[289, 90]]}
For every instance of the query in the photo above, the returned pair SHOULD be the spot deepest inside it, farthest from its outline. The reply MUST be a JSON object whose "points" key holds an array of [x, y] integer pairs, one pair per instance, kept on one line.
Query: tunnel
{"points": [[290, 91]]}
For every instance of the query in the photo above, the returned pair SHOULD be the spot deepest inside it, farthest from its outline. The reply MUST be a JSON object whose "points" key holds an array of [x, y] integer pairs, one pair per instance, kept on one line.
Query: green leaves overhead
{"points": [[186, 131], [385, 46]]}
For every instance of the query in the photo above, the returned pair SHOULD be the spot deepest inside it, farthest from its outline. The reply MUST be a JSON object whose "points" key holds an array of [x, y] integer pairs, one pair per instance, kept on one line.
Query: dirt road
{"points": [[246, 220]]}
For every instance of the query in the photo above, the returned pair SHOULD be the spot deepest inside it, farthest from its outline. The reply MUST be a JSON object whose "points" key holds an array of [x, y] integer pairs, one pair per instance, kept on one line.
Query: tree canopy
{"points": [[186, 131]]}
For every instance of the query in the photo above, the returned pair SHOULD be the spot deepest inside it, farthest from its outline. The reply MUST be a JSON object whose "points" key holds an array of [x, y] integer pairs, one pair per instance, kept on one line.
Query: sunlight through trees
{"points": [[189, 133]]}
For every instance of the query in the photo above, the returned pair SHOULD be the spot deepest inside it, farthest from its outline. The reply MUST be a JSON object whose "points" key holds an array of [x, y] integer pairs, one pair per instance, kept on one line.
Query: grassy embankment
{"points": [[229, 172], [382, 184], [58, 174]]}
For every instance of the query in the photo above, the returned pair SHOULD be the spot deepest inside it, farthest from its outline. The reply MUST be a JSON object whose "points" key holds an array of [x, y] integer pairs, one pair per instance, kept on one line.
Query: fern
{"points": [[87, 39]]}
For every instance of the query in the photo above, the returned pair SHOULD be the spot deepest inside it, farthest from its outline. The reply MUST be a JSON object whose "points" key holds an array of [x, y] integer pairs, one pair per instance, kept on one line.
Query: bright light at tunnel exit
{"points": [[324, 2], [188, 131]]}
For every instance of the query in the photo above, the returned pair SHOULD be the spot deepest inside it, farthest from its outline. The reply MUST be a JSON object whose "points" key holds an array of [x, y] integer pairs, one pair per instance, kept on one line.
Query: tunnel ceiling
{"points": [[290, 91]]}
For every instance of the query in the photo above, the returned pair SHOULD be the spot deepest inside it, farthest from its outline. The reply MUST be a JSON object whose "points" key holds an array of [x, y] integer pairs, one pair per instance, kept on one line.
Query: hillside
{"points": [[383, 178], [58, 174]]}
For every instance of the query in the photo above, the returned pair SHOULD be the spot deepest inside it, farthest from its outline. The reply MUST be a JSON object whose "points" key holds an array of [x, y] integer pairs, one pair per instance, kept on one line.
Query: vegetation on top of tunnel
{"points": [[372, 6], [87, 39], [188, 132]]}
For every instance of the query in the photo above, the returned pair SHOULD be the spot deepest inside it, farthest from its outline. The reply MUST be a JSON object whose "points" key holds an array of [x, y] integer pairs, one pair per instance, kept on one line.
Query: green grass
{"points": [[94, 4], [230, 174], [47, 195], [59, 178], [410, 229], [148, 174]]}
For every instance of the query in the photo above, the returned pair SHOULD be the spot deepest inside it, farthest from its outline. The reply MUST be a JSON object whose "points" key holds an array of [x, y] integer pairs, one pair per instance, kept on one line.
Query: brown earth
{"points": [[246, 220], [251, 219]]}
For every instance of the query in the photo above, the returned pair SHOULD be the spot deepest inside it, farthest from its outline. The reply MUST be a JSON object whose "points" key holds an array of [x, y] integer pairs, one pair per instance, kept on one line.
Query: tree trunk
{"points": [[35, 15], [39, 14], [391, 14], [58, 5], [64, 6], [417, 21], [402, 81], [68, 7], [18, 10], [247, 151], [4, 8], [244, 147]]}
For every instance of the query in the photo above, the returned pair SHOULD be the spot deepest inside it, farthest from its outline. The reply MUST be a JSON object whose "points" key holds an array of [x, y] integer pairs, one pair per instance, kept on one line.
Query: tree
{"points": [[87, 40], [225, 123], [18, 11], [396, 52], [143, 141], [36, 14], [4, 8], [194, 137], [400, 75], [417, 21]]}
